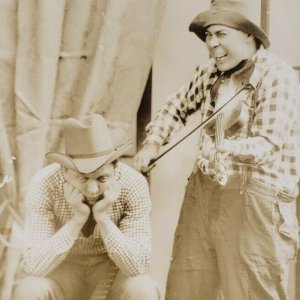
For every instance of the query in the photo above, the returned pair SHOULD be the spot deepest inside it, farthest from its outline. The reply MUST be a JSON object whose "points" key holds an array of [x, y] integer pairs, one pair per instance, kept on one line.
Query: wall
{"points": [[284, 30], [177, 54]]}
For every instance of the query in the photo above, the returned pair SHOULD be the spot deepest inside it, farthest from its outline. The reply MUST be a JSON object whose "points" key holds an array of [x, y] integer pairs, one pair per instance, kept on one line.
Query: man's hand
{"points": [[75, 199], [144, 156], [101, 208], [225, 147]]}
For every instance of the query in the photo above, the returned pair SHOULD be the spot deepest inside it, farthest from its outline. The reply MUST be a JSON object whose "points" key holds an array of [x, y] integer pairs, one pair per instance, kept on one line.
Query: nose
{"points": [[92, 187], [213, 42]]}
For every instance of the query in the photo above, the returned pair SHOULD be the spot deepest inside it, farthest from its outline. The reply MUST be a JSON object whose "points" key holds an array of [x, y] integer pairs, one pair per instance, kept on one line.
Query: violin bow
{"points": [[152, 162]]}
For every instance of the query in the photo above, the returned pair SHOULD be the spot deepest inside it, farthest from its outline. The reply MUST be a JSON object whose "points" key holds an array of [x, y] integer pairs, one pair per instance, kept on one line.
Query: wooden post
{"points": [[264, 15]]}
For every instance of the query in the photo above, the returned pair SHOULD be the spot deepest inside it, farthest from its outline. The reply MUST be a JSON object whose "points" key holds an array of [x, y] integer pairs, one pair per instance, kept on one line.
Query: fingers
{"points": [[111, 194], [141, 161], [225, 147], [72, 195], [144, 157]]}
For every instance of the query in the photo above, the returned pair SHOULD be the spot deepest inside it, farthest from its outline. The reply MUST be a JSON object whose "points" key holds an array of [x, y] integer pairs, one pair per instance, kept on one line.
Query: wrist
{"points": [[102, 218], [75, 226], [79, 219], [233, 146], [152, 141], [152, 145]]}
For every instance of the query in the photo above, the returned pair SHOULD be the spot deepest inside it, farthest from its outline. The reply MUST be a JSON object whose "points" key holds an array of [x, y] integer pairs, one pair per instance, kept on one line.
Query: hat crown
{"points": [[248, 8], [243, 15], [88, 136]]}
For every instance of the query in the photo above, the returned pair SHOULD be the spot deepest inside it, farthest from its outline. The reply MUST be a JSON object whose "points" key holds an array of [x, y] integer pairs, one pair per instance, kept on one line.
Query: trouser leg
{"points": [[37, 288], [256, 237], [245, 243], [226, 219], [62, 284], [101, 278], [134, 288], [193, 271], [268, 241]]}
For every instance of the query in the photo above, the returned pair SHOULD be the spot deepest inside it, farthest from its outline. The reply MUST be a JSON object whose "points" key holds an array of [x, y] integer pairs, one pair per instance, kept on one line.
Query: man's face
{"points": [[228, 46], [91, 185]]}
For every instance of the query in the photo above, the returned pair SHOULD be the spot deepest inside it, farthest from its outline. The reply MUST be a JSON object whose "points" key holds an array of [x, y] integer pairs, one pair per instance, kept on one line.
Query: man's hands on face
{"points": [[75, 198], [101, 208]]}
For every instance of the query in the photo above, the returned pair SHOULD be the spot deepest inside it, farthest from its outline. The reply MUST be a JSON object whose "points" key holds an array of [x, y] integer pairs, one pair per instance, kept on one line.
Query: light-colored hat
{"points": [[88, 145], [236, 14]]}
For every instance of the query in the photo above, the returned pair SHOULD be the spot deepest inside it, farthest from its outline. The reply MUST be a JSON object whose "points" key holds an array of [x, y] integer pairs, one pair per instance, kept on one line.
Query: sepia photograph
{"points": [[149, 149]]}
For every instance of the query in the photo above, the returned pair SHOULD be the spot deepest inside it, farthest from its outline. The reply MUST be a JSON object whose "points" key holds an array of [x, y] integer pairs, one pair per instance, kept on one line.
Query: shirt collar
{"points": [[259, 57]]}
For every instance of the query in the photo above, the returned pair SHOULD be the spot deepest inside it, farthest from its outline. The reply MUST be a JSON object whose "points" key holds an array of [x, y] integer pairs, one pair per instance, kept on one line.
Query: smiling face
{"points": [[91, 185], [228, 46]]}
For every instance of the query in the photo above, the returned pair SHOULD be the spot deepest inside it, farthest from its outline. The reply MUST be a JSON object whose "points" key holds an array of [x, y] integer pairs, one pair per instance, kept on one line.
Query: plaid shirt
{"points": [[270, 147], [48, 236]]}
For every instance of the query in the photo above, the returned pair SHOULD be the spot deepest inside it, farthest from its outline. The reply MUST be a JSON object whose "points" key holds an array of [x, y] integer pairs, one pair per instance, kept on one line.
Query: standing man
{"points": [[87, 222], [237, 231]]}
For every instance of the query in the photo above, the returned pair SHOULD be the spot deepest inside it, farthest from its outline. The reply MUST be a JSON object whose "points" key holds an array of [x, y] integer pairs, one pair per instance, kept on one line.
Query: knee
{"points": [[136, 288], [31, 287]]}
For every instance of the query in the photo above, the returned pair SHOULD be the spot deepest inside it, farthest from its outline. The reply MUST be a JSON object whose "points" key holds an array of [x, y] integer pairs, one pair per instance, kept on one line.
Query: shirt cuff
{"points": [[233, 147], [151, 139]]}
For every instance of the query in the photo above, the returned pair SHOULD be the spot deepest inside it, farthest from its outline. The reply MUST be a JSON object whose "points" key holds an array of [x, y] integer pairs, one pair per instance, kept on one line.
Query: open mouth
{"points": [[220, 57]]}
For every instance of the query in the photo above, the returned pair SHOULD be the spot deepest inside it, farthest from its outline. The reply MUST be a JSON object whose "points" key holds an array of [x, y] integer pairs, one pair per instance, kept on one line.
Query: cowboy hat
{"points": [[237, 14], [88, 145]]}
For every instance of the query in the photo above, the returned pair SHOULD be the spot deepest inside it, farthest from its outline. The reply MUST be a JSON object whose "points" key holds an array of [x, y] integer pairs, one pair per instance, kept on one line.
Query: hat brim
{"points": [[87, 165], [227, 18]]}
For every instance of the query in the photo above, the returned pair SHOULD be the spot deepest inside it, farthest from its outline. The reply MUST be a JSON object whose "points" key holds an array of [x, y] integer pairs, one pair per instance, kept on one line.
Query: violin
{"points": [[230, 116], [233, 117]]}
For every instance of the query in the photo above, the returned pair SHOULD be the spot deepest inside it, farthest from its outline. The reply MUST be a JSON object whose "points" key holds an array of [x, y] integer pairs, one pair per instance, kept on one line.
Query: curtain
{"points": [[60, 59]]}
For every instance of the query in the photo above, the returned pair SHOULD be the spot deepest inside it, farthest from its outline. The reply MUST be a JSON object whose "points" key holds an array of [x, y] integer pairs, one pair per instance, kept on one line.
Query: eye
{"points": [[207, 34], [102, 179], [221, 34], [82, 179]]}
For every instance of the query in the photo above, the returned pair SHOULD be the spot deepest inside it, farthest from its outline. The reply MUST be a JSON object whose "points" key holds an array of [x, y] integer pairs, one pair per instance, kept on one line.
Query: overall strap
{"points": [[245, 168]]}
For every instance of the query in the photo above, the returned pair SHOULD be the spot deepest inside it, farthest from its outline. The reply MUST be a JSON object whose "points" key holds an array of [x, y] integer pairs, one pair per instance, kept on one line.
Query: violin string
{"points": [[220, 128], [218, 111]]}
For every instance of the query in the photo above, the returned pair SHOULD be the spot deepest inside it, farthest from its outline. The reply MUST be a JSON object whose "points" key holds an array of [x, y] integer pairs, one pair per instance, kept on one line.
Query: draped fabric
{"points": [[60, 59]]}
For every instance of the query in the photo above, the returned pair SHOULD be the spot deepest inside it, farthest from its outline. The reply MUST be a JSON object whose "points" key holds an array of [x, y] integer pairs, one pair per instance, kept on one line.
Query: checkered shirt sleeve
{"points": [[129, 244], [45, 247], [48, 237], [173, 115]]}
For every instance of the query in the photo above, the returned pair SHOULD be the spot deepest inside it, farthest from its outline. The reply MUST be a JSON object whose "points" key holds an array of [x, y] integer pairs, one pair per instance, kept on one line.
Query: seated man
{"points": [[87, 223]]}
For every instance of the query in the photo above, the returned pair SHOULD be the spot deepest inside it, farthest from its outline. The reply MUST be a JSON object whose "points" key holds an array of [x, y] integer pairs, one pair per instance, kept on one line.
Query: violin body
{"points": [[235, 116]]}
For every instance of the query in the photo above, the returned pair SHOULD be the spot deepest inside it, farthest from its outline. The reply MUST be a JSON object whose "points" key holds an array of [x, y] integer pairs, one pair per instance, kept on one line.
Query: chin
{"points": [[223, 67], [92, 201]]}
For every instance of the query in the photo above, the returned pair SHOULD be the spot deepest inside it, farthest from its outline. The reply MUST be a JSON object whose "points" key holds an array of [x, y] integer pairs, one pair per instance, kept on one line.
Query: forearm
{"points": [[43, 256], [132, 256], [275, 112], [253, 151], [175, 112], [164, 125]]}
